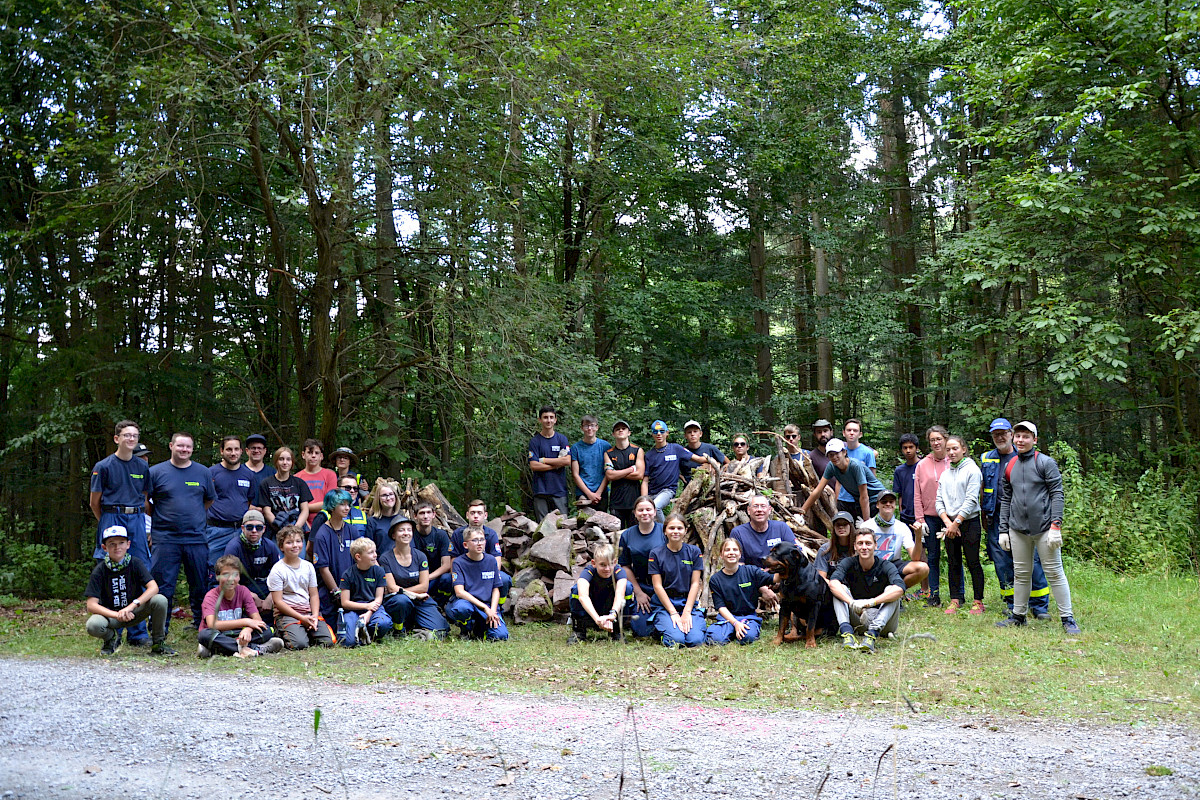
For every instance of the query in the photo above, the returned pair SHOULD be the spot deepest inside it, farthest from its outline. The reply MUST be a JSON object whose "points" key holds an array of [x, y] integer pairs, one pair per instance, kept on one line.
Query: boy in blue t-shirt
{"points": [[663, 462], [549, 453], [602, 584], [362, 588], [587, 466], [904, 476], [476, 604]]}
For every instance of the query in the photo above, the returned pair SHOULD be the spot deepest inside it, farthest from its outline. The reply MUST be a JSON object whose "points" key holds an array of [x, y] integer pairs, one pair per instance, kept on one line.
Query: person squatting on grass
{"points": [[121, 594], [230, 607], [866, 594], [1031, 513], [602, 584], [476, 606], [362, 588]]}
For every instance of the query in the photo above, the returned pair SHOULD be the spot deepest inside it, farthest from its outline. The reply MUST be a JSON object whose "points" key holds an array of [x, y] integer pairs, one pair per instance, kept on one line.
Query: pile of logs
{"points": [[545, 559]]}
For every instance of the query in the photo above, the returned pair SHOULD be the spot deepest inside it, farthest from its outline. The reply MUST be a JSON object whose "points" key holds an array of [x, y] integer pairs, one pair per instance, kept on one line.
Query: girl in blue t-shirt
{"points": [[408, 601], [735, 591], [634, 548], [675, 570]]}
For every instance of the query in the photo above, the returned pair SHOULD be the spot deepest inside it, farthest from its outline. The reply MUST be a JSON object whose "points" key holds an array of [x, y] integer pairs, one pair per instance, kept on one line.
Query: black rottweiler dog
{"points": [[802, 592]]}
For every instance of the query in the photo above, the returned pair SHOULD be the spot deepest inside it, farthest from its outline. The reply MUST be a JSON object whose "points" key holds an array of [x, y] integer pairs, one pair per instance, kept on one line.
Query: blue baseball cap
{"points": [[659, 427], [1000, 424]]}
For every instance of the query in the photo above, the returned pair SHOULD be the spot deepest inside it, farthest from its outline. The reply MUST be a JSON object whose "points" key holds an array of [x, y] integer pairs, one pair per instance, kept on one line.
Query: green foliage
{"points": [[36, 571]]}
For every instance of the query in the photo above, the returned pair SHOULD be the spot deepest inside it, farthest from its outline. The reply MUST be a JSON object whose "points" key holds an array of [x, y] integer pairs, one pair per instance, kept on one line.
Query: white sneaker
{"points": [[364, 635], [273, 645], [202, 652]]}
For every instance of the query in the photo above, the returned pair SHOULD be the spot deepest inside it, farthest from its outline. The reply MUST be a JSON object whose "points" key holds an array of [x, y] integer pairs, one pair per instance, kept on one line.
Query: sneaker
{"points": [[933, 601], [849, 642], [421, 634], [110, 646], [162, 649], [1069, 626], [273, 645], [364, 634], [617, 637], [976, 607], [143, 642], [573, 637], [203, 652], [953, 608], [868, 641], [1041, 615], [1013, 621]]}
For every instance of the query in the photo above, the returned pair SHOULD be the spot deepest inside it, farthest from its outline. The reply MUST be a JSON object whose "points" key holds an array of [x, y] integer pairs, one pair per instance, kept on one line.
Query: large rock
{"points": [[548, 525], [525, 577], [534, 603], [563, 581], [553, 550], [523, 524], [513, 546], [606, 522]]}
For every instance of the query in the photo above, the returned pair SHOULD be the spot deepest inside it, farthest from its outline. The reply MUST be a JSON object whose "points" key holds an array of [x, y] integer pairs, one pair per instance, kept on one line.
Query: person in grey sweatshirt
{"points": [[958, 506], [1031, 513]]}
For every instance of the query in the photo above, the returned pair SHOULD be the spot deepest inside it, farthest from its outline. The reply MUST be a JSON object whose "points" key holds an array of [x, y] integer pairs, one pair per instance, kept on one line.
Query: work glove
{"points": [[1005, 543], [1054, 537], [858, 607], [941, 534]]}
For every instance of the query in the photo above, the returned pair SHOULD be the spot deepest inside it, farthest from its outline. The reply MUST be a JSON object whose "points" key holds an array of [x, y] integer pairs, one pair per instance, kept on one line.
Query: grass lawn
{"points": [[1136, 661]]}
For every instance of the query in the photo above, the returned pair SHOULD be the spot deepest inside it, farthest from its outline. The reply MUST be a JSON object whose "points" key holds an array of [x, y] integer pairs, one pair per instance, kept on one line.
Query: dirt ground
{"points": [[90, 729]]}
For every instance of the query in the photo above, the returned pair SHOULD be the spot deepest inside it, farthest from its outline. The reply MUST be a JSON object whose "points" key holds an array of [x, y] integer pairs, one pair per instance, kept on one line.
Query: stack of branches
{"points": [[715, 500]]}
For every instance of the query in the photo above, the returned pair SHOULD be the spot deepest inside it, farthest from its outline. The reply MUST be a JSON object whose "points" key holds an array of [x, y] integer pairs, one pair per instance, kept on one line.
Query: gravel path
{"points": [[67, 731]]}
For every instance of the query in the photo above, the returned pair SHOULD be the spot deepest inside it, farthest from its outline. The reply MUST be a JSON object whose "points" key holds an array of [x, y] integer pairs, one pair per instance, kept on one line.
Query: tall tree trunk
{"points": [[824, 346], [762, 318]]}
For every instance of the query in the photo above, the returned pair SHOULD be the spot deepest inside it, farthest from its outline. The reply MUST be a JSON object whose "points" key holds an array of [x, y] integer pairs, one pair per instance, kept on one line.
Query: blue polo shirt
{"points": [[178, 495], [755, 545], [662, 466], [676, 569], [590, 458], [704, 449], [855, 475], [363, 584], [490, 537], [554, 482], [120, 483], [633, 552], [434, 546], [477, 577], [235, 494], [738, 592], [405, 577], [601, 591]]}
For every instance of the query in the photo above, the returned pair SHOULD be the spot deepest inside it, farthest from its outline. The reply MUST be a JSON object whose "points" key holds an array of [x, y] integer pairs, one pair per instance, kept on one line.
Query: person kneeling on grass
{"points": [[293, 585], [735, 589], [230, 607], [476, 602], [121, 594], [602, 584], [362, 587], [407, 599], [866, 594], [675, 570]]}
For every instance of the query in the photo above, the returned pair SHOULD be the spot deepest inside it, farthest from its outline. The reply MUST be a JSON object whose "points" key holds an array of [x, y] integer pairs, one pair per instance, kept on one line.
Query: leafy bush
{"points": [[1148, 526], [36, 571]]}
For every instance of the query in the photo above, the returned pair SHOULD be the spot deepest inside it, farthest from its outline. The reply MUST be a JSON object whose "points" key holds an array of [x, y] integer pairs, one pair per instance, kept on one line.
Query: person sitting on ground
{"points": [[735, 589], [839, 546], [602, 584], [853, 476], [476, 517], [407, 599], [331, 550], [893, 538], [866, 594], [957, 505], [675, 571], [476, 606], [633, 553], [363, 586], [434, 542], [756, 537], [230, 607], [294, 597], [382, 510], [257, 555], [121, 593]]}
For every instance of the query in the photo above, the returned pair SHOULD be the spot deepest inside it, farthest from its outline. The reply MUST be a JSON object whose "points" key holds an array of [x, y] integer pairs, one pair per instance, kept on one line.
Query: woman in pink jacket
{"points": [[928, 524]]}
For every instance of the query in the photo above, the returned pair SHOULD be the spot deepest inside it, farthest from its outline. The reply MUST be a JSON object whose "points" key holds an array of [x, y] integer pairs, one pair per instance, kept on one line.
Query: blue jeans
{"points": [[407, 613], [164, 566], [218, 539], [933, 557], [671, 634], [474, 621], [721, 632], [661, 501], [139, 547], [1039, 595], [379, 623]]}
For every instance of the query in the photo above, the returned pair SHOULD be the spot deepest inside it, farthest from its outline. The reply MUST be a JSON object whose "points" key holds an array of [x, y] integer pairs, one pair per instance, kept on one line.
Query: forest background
{"points": [[404, 226]]}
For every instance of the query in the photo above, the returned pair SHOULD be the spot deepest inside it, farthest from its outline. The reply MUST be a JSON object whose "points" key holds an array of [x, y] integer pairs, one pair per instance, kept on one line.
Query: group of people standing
{"points": [[278, 558]]}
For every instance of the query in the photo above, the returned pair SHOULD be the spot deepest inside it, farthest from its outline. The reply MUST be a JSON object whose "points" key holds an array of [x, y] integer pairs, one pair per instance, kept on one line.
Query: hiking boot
{"points": [[162, 649], [203, 652], [110, 646], [953, 608], [934, 601], [573, 637], [1013, 621], [1041, 615], [1069, 626], [849, 642], [976, 607], [617, 637], [273, 645], [868, 641]]}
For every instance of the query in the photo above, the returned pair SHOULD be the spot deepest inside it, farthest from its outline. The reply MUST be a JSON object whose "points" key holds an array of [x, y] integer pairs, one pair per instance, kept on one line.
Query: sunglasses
{"points": [[739, 444], [791, 436], [250, 527]]}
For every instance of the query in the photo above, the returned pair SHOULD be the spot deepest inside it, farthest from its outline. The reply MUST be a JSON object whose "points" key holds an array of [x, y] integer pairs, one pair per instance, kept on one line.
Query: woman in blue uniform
{"points": [[408, 601], [675, 570]]}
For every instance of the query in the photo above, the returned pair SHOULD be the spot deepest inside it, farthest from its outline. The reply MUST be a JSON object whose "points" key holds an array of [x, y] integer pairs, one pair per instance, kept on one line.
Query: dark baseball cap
{"points": [[256, 437]]}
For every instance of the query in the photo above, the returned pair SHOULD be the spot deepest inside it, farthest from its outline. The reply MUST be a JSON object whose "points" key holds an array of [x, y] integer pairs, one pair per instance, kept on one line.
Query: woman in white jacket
{"points": [[958, 506]]}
